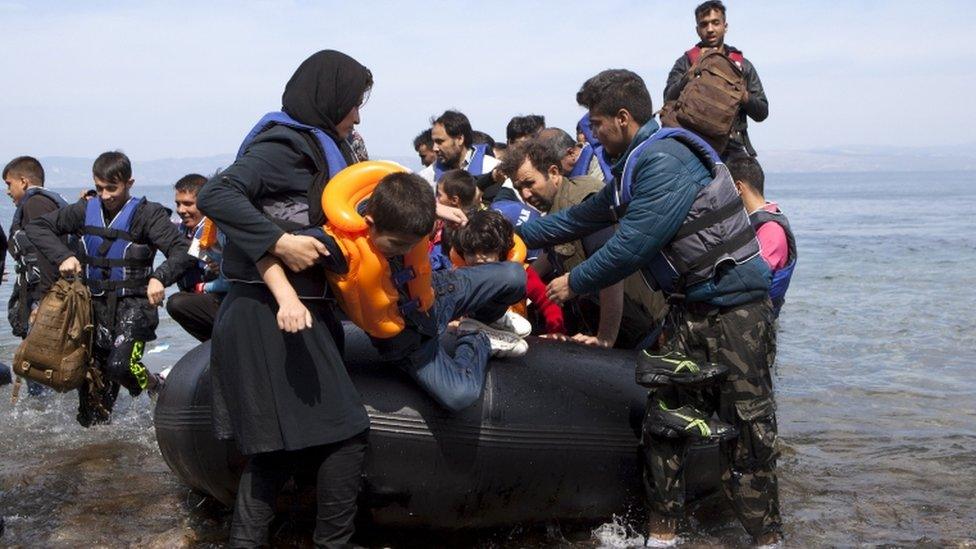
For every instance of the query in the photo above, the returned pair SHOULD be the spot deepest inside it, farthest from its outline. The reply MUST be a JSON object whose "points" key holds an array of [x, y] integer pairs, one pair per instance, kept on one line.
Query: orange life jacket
{"points": [[368, 292], [516, 254]]}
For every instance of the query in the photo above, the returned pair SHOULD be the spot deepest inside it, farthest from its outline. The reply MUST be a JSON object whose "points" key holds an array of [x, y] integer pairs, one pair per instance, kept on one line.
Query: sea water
{"points": [[874, 381]]}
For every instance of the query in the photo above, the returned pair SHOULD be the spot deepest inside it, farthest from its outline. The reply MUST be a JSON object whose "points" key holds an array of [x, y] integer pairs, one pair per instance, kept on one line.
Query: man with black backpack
{"points": [[711, 27]]}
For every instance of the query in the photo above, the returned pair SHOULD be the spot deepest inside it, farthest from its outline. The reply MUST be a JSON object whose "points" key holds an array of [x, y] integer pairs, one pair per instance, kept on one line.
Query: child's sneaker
{"points": [[513, 322], [503, 342]]}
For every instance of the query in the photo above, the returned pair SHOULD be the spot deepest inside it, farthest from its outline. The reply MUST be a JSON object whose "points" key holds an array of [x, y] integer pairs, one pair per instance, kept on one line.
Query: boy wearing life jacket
{"points": [[772, 227], [400, 214], [456, 189], [489, 238], [195, 306], [24, 177], [120, 236]]}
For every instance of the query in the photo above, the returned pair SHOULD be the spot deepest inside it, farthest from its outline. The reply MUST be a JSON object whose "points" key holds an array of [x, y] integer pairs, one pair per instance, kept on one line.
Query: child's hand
{"points": [[294, 317]]}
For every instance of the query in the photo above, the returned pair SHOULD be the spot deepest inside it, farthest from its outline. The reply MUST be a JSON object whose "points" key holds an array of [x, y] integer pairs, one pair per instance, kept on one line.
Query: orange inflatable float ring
{"points": [[517, 254], [367, 293]]}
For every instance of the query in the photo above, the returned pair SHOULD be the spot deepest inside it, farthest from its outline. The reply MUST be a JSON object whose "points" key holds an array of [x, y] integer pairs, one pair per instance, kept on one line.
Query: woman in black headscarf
{"points": [[285, 396]]}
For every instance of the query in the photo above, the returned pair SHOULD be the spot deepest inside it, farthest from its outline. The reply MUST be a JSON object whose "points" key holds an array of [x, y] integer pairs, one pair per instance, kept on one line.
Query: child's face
{"points": [[446, 200], [480, 258], [391, 243]]}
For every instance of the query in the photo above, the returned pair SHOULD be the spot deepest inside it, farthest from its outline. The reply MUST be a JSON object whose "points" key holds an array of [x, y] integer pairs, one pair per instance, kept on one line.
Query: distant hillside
{"points": [[63, 171], [871, 159], [75, 172]]}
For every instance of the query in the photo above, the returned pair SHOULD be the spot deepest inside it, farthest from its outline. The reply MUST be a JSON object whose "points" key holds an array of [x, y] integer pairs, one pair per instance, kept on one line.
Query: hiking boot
{"points": [[513, 322], [503, 343], [686, 422], [660, 370]]}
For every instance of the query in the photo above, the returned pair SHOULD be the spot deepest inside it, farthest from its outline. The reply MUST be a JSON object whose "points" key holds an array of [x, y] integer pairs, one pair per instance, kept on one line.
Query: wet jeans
{"points": [[482, 292]]}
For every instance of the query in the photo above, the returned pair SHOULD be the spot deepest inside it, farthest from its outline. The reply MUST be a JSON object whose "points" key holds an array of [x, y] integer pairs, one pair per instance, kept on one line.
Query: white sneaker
{"points": [[513, 322], [503, 342], [165, 372]]}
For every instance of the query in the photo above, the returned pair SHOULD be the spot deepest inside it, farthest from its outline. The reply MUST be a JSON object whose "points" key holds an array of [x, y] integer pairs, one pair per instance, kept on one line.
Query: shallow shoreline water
{"points": [[874, 382]]}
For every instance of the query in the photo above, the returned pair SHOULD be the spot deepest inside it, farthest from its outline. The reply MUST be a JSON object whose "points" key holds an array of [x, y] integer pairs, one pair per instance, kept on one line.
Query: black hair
{"points": [[539, 152], [746, 168], [423, 139], [559, 139], [26, 166], [456, 125], [482, 138], [112, 167], [460, 184], [524, 126], [615, 89], [190, 183], [403, 203], [708, 6], [487, 231]]}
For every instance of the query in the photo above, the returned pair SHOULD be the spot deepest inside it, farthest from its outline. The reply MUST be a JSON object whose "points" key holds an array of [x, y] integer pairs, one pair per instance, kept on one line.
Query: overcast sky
{"points": [[161, 80]]}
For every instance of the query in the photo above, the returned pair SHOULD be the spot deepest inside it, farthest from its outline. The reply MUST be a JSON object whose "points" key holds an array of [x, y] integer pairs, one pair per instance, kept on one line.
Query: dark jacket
{"points": [[150, 226], [272, 179], [757, 107], [667, 178], [36, 206]]}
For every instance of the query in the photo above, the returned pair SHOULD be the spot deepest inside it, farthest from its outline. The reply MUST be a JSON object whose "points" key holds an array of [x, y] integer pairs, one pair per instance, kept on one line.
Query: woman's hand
{"points": [[298, 252], [293, 316]]}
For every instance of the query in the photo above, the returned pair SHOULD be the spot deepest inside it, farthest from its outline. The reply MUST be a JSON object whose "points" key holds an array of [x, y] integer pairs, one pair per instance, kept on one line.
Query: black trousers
{"points": [[338, 468], [194, 312]]}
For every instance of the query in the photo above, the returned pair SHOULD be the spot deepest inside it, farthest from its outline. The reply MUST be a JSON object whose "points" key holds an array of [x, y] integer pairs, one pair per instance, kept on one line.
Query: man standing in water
{"points": [[35, 273], [120, 236], [711, 26], [682, 223]]}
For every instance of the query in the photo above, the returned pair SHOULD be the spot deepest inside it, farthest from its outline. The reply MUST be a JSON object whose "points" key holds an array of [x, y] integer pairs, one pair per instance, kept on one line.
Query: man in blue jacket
{"points": [[681, 223]]}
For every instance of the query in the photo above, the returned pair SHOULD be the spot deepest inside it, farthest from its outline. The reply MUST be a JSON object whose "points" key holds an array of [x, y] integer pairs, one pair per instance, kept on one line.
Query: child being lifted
{"points": [[399, 215]]}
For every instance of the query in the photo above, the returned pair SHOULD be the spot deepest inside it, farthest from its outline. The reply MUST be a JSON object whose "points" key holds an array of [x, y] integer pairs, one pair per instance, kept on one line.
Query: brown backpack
{"points": [[57, 348], [710, 101]]}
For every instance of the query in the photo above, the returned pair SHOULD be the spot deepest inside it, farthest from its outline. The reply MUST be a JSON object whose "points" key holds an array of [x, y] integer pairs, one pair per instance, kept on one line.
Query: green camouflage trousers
{"points": [[742, 339]]}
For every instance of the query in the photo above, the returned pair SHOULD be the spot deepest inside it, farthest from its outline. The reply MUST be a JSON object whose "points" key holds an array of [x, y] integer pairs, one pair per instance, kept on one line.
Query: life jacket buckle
{"points": [[409, 307], [404, 275]]}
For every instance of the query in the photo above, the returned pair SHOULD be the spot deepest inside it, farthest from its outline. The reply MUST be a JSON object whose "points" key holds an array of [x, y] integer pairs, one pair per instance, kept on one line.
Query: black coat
{"points": [[272, 390]]}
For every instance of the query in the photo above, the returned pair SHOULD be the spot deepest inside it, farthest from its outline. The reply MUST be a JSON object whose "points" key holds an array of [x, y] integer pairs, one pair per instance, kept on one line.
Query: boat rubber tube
{"points": [[554, 436]]}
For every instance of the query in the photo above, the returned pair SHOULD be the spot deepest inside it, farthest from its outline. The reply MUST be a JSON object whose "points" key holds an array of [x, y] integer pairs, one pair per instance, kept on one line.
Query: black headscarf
{"points": [[324, 88]]}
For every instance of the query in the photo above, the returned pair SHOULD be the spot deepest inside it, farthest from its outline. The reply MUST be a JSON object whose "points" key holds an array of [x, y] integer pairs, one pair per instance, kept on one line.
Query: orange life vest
{"points": [[368, 293], [516, 254]]}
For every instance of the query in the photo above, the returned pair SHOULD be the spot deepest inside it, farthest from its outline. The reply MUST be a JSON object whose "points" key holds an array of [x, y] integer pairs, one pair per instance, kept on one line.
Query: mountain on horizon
{"points": [[63, 171]]}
